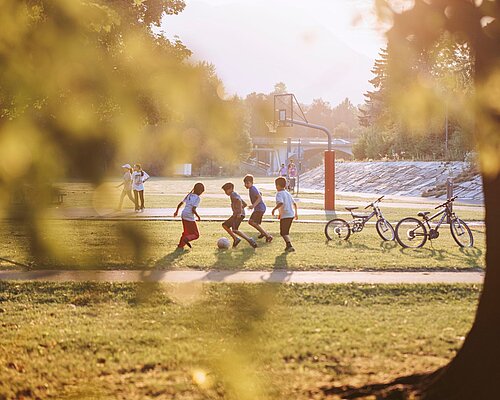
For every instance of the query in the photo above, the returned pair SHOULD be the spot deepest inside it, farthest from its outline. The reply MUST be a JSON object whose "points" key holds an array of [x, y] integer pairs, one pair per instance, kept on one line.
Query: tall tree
{"points": [[474, 372]]}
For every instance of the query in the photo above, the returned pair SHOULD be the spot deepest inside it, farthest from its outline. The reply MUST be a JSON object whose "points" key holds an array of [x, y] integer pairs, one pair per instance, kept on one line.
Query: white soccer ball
{"points": [[223, 243]]}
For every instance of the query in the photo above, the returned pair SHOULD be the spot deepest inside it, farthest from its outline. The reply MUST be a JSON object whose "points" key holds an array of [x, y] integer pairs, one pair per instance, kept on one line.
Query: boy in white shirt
{"points": [[287, 209]]}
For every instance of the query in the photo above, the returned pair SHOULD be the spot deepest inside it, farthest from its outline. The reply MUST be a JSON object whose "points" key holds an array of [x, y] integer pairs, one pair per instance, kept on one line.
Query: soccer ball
{"points": [[223, 243]]}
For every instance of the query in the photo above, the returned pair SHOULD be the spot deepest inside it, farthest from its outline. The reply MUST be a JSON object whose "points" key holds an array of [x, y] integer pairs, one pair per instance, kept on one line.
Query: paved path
{"points": [[280, 276]]}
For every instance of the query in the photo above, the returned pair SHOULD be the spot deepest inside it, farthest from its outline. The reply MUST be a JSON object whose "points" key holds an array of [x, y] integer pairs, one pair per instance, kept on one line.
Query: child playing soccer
{"points": [[258, 206], [191, 201], [288, 211], [231, 225]]}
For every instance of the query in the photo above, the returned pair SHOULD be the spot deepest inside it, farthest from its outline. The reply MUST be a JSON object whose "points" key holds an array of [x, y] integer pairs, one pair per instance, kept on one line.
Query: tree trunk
{"points": [[475, 371]]}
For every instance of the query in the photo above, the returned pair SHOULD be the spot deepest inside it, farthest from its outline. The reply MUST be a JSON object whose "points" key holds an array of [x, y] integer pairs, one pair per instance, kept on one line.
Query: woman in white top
{"points": [[138, 178], [127, 185], [190, 230]]}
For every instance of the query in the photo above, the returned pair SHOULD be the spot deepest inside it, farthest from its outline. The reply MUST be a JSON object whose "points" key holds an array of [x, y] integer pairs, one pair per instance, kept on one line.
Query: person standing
{"points": [[190, 229], [138, 178], [258, 206], [287, 211], [283, 170], [292, 176], [127, 185]]}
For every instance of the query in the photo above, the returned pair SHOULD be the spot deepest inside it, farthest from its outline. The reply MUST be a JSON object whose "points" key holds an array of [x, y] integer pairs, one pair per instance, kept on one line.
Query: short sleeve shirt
{"points": [[254, 194], [191, 200], [287, 211], [237, 204]]}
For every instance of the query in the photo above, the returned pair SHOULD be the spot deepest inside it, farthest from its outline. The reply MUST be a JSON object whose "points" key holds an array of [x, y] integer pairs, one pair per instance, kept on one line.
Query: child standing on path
{"points": [[138, 178], [288, 211], [190, 230], [127, 185], [258, 206], [232, 224]]}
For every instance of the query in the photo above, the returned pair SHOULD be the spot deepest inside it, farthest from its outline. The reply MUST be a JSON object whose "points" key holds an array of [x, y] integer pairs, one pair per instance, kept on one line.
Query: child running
{"points": [[192, 201], [231, 225], [258, 206], [127, 185], [138, 178], [288, 211]]}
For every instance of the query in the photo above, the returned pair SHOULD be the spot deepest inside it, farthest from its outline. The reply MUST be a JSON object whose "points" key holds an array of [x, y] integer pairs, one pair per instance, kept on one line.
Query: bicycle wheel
{"points": [[461, 233], [411, 233], [337, 229], [385, 229]]}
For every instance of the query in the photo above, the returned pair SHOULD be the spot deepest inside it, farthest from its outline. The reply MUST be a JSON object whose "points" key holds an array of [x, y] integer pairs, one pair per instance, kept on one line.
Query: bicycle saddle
{"points": [[351, 208], [423, 213]]}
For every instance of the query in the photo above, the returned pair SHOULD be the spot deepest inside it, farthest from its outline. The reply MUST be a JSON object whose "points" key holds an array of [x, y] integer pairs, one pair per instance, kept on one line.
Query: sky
{"points": [[318, 48]]}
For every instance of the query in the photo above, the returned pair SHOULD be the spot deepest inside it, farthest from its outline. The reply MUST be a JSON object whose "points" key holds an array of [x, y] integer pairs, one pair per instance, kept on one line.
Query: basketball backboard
{"points": [[287, 110]]}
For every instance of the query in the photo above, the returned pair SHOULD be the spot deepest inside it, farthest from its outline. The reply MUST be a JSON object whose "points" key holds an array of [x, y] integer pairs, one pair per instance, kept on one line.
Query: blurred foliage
{"points": [[87, 86], [447, 52], [408, 119]]}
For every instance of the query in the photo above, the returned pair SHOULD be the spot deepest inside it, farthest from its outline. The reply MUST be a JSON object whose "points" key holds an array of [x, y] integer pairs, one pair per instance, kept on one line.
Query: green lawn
{"points": [[132, 341], [107, 245]]}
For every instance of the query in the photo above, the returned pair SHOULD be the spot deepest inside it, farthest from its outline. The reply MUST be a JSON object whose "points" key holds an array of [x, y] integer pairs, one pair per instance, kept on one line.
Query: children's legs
{"points": [[285, 224], [255, 225], [190, 230], [244, 236], [122, 196], [230, 232], [136, 200], [141, 194], [129, 194]]}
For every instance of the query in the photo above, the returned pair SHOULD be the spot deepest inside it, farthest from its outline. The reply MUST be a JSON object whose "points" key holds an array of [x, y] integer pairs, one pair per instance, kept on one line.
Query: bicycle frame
{"points": [[364, 219], [445, 212]]}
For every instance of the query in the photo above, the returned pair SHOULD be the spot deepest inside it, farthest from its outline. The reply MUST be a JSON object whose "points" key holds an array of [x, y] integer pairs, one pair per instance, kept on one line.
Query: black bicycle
{"points": [[339, 228], [413, 233]]}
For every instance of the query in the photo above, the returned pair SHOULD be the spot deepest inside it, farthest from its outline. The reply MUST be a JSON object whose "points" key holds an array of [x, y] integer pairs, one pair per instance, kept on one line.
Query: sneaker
{"points": [[253, 243], [269, 239], [289, 249], [186, 242], [236, 242]]}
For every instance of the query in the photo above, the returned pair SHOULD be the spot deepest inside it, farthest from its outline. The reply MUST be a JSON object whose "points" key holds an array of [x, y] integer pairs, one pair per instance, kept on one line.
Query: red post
{"points": [[330, 180]]}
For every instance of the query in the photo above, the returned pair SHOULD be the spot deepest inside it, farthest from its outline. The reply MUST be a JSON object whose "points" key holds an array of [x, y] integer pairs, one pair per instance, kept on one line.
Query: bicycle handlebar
{"points": [[450, 200], [376, 201]]}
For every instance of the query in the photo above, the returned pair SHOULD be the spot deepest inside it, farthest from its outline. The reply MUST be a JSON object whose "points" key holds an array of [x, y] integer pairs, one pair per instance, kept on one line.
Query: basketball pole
{"points": [[329, 164]]}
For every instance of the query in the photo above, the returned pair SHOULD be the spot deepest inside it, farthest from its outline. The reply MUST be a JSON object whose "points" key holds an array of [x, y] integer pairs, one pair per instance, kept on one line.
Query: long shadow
{"points": [[230, 261], [280, 273], [169, 259]]}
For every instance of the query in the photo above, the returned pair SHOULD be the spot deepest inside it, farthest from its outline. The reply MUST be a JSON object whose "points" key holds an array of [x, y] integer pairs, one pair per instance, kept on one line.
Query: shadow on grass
{"points": [[169, 259], [280, 272]]}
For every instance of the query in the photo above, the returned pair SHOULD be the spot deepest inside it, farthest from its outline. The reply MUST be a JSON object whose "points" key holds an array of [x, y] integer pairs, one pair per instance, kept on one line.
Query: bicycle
{"points": [[413, 233], [339, 228]]}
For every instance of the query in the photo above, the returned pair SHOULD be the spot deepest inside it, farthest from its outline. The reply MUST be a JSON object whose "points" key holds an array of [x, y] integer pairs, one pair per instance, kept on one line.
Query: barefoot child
{"points": [[232, 224], [288, 211], [191, 201], [258, 206], [127, 185], [138, 178]]}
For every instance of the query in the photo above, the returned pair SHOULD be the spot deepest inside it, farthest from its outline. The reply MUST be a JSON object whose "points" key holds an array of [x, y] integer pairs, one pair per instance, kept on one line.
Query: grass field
{"points": [[129, 341], [106, 245]]}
